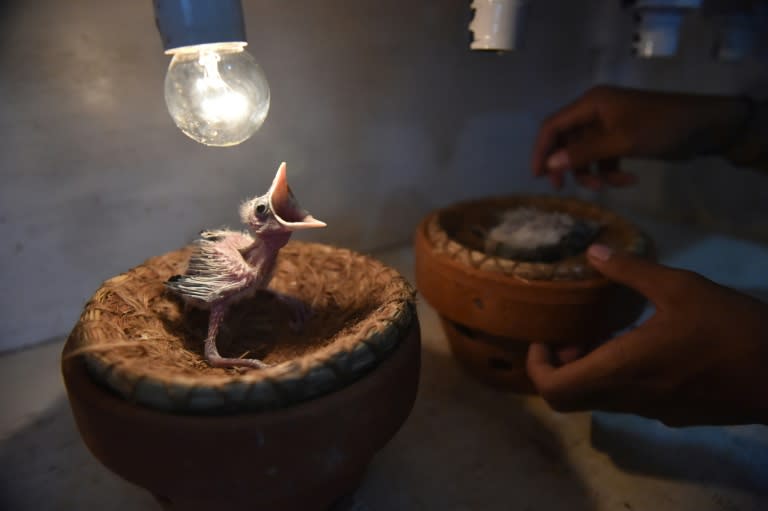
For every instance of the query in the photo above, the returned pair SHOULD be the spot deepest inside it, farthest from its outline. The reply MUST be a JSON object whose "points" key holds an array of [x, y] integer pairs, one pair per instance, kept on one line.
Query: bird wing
{"points": [[216, 267]]}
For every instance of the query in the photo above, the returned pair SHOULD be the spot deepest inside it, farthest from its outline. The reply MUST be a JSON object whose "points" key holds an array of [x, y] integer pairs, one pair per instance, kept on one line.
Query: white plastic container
{"points": [[497, 24]]}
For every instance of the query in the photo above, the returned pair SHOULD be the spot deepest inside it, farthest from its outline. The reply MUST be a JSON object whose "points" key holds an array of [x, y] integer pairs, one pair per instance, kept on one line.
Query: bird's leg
{"points": [[212, 352], [300, 312]]}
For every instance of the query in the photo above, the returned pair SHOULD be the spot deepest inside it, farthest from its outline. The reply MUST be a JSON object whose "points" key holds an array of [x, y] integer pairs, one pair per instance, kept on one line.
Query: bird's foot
{"points": [[216, 360], [300, 312], [212, 352]]}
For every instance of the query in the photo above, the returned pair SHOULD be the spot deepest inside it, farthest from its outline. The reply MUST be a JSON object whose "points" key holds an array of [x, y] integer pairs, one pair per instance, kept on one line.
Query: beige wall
{"points": [[707, 191], [379, 108]]}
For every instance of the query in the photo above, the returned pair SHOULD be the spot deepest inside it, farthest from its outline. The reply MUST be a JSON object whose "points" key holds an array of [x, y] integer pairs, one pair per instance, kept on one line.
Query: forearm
{"points": [[732, 127]]}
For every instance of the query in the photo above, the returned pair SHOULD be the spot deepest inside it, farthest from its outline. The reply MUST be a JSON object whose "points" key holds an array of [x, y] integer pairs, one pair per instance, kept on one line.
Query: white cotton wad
{"points": [[532, 234]]}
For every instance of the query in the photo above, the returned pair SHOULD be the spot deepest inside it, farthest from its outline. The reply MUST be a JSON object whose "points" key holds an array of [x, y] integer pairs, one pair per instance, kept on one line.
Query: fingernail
{"points": [[559, 160], [599, 252]]}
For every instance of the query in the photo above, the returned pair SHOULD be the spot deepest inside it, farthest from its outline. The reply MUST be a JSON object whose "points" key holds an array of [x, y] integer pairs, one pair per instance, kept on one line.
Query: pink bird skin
{"points": [[228, 266]]}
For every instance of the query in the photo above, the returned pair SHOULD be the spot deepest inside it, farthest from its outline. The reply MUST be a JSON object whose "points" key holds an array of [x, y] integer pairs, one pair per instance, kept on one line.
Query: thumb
{"points": [[585, 149], [640, 274]]}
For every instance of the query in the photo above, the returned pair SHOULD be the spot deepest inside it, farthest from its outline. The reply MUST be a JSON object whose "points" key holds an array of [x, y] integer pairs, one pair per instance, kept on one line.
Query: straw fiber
{"points": [[140, 340], [456, 232]]}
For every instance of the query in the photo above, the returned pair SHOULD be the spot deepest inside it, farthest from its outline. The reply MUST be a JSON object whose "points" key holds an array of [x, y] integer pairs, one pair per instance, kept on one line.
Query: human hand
{"points": [[701, 359], [609, 123]]}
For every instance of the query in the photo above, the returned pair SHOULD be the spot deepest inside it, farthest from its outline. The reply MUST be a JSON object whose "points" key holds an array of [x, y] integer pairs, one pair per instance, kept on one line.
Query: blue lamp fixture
{"points": [[215, 91]]}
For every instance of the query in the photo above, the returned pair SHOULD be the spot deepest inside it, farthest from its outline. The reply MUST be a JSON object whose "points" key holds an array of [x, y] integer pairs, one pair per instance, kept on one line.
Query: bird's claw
{"points": [[216, 360]]}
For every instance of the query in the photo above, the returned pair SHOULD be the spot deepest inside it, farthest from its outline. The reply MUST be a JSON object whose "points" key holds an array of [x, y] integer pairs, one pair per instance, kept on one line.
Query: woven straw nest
{"points": [[453, 232], [140, 341]]}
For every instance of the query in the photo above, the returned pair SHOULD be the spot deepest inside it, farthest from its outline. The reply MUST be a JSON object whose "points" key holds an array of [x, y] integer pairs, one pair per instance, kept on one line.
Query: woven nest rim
{"points": [[617, 232], [351, 353]]}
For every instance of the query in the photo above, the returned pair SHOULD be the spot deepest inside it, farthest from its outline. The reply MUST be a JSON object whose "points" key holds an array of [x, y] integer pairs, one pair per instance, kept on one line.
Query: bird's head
{"points": [[277, 212]]}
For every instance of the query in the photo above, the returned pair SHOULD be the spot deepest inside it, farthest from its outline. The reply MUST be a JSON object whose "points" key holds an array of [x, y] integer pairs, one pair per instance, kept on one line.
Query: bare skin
{"points": [[591, 135], [228, 266], [701, 359]]}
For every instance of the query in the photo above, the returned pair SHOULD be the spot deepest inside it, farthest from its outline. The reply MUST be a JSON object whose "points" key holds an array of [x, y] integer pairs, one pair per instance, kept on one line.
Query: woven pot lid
{"points": [[453, 232], [139, 340]]}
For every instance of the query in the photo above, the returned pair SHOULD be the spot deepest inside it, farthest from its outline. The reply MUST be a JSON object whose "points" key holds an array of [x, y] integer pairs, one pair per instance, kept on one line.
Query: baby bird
{"points": [[228, 266]]}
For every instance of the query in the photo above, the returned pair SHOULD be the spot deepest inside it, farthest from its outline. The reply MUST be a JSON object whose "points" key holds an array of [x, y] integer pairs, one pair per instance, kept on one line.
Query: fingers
{"points": [[600, 382], [558, 164], [580, 112], [579, 150], [594, 381], [552, 357], [573, 386], [643, 275], [580, 135], [566, 354], [610, 173], [539, 362], [607, 377], [588, 145], [585, 178]]}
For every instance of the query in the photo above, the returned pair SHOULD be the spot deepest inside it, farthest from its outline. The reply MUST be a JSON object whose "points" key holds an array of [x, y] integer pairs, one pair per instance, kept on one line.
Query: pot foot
{"points": [[493, 360]]}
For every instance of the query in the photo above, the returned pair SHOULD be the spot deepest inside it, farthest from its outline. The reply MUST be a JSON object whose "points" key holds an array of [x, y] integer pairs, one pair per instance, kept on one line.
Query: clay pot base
{"points": [[141, 341], [295, 436], [300, 458], [497, 361], [493, 307]]}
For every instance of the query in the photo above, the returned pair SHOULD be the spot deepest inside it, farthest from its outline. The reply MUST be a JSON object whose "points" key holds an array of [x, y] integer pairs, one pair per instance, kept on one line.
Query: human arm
{"points": [[609, 123], [701, 359]]}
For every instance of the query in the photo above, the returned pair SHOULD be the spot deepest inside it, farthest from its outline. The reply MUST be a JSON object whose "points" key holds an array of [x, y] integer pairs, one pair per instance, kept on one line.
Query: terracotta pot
{"points": [[294, 436], [497, 361], [299, 458], [492, 307]]}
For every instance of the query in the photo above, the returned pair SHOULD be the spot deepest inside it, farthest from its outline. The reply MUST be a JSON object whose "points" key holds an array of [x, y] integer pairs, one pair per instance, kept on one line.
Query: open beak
{"points": [[285, 207]]}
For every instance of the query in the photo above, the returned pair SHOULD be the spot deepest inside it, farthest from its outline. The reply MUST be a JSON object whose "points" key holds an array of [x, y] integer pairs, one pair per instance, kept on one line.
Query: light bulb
{"points": [[216, 93]]}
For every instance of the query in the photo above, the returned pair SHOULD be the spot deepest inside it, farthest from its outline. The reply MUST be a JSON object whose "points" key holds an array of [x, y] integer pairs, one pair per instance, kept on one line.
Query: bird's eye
{"points": [[260, 209]]}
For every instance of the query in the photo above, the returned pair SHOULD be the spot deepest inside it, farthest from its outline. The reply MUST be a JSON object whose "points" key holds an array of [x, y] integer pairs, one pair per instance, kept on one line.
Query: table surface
{"points": [[464, 447]]}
